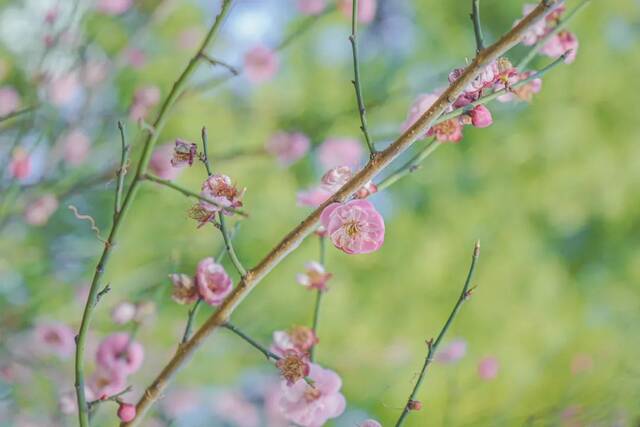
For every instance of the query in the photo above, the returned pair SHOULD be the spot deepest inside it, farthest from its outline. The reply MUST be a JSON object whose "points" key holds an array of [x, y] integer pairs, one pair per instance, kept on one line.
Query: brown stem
{"points": [[376, 164]]}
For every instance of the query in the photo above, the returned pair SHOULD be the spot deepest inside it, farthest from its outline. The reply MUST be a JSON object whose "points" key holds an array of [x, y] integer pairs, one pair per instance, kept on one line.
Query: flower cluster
{"points": [[560, 42], [211, 283], [219, 189]]}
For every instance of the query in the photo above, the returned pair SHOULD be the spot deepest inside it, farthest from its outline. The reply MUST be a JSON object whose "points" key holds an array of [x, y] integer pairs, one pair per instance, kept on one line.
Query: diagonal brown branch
{"points": [[377, 163]]}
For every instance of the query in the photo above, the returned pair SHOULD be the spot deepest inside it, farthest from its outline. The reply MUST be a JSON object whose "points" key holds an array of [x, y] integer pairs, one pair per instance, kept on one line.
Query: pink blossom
{"points": [[261, 63], [312, 197], [76, 146], [123, 313], [418, 108], [524, 92], [107, 382], [488, 368], [213, 282], [355, 227], [366, 9], [20, 165], [55, 338], [299, 339], [340, 152], [311, 7], [38, 212], [184, 289], [160, 163], [368, 189], [293, 366], [126, 412], [220, 189], [313, 406], [315, 276], [452, 352], [118, 352], [559, 44], [481, 116], [447, 131], [67, 402], [113, 7], [9, 100], [288, 147], [135, 57], [537, 31], [335, 178], [64, 89], [184, 153], [370, 423], [236, 410]]}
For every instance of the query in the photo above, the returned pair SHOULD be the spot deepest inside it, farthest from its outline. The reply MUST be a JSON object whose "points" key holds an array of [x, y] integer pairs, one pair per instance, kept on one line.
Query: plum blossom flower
{"points": [[355, 227], [113, 7], [20, 165], [185, 290], [481, 116], [313, 406], [107, 382], [366, 9], [213, 282], [126, 412], [314, 277], [75, 147], [288, 147], [118, 352], [453, 352], [9, 100], [488, 368], [536, 31], [261, 63], [447, 131], [38, 212], [123, 313], [311, 7], [184, 153], [335, 178], [299, 339], [524, 92], [340, 152], [220, 189], [561, 43], [55, 338], [160, 163], [370, 423], [312, 197], [293, 366]]}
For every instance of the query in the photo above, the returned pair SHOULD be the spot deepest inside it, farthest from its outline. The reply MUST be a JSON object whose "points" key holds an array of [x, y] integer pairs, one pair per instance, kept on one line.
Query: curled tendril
{"points": [[89, 218]]}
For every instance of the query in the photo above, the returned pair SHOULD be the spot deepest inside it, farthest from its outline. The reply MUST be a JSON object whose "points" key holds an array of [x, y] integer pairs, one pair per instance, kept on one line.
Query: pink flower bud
{"points": [[261, 64], [481, 116], [488, 368], [315, 276], [126, 412], [213, 282], [336, 178], [20, 165], [414, 405], [123, 313], [453, 352], [76, 146], [38, 212]]}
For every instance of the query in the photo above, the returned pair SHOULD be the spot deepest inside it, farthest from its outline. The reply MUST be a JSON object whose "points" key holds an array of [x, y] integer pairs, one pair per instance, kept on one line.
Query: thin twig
{"points": [[477, 27], [562, 23], [319, 294], [267, 353], [229, 246], [410, 166], [432, 346], [356, 79], [18, 113], [190, 319], [190, 193], [205, 150], [143, 163], [215, 62], [122, 171], [113, 398], [295, 237]]}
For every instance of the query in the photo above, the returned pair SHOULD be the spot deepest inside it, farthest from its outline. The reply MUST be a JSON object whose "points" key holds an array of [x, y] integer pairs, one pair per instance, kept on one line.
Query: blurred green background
{"points": [[550, 190]]}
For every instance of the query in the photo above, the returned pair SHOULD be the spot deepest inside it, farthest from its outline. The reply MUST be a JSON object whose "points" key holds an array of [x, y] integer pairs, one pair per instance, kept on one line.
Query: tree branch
{"points": [[477, 27], [306, 226], [433, 346], [319, 295], [267, 353]]}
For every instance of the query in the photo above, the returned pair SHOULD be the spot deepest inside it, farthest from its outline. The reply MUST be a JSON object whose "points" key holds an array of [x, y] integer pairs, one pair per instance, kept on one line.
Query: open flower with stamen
{"points": [[313, 405], [299, 338], [293, 366], [355, 227], [185, 290], [314, 277], [184, 153], [213, 282], [447, 131], [220, 189]]}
